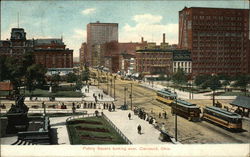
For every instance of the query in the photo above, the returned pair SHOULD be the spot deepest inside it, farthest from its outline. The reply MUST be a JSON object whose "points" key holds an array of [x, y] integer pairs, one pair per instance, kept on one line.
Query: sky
{"points": [[69, 19]]}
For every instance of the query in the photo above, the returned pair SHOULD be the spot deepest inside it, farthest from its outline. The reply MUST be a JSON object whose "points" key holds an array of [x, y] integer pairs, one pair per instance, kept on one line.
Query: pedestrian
{"points": [[94, 105], [102, 96], [160, 115], [129, 116], [99, 95], [139, 129], [84, 105], [104, 106], [165, 115]]}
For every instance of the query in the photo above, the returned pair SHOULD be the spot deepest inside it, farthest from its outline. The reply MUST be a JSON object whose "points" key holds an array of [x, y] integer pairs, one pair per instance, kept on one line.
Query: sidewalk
{"points": [[93, 89], [185, 95], [149, 135]]}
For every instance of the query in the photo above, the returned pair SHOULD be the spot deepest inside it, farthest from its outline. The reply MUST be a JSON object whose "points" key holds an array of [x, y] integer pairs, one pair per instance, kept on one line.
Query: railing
{"points": [[52, 111], [118, 130], [106, 118], [81, 116]]}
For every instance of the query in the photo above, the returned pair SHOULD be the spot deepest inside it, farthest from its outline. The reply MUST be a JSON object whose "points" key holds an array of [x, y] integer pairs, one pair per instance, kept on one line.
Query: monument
{"points": [[17, 116]]}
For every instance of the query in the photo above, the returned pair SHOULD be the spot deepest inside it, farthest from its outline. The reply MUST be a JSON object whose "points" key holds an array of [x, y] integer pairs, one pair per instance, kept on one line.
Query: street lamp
{"points": [[114, 86], [131, 97]]}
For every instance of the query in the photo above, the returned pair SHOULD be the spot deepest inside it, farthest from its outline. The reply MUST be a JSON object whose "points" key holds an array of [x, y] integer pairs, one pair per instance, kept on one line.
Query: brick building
{"points": [[82, 53], [154, 60], [17, 45], [52, 53], [218, 39], [97, 34]]}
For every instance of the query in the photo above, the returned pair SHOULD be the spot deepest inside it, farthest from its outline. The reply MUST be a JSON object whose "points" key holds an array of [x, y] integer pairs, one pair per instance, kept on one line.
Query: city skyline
{"points": [[69, 19]]}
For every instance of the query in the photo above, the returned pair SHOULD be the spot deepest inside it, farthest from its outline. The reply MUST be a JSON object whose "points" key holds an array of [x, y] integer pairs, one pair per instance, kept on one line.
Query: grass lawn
{"points": [[4, 93], [93, 137], [46, 93]]}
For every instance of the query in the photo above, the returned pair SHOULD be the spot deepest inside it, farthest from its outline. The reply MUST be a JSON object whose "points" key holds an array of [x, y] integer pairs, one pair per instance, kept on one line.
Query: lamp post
{"points": [[131, 98], [114, 86], [125, 90], [111, 86], [175, 117], [107, 84]]}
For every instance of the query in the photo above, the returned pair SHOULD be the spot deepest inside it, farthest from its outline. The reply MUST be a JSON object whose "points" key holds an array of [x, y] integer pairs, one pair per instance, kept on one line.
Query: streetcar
{"points": [[165, 96], [185, 109], [222, 117]]}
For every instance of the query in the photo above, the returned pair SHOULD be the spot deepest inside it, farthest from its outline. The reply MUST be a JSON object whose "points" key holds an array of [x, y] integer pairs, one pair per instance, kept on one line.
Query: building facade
{"points": [[17, 45], [99, 33], [182, 60], [217, 38], [82, 53], [51, 53]]}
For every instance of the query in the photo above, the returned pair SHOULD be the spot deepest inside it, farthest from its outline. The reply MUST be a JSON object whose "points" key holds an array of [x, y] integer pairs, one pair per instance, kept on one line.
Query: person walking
{"points": [[139, 129], [129, 116]]}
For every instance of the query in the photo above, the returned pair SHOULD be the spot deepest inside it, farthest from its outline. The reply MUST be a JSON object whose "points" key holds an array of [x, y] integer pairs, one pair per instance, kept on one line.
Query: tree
{"points": [[85, 74], [71, 77], [179, 77], [200, 79], [35, 76], [213, 83], [55, 80], [225, 83], [242, 81]]}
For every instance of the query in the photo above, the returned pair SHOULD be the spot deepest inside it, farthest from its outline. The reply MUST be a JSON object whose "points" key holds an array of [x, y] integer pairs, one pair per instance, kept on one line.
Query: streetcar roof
{"points": [[223, 112], [186, 104], [166, 92]]}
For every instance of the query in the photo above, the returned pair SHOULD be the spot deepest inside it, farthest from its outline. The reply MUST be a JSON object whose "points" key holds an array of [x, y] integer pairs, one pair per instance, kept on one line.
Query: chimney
{"points": [[164, 38], [142, 40]]}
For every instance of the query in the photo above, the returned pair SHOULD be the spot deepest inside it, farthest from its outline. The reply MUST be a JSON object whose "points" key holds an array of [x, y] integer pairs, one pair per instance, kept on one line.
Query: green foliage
{"points": [[85, 74], [200, 79], [35, 75], [55, 80], [179, 77], [71, 77], [242, 81], [213, 83]]}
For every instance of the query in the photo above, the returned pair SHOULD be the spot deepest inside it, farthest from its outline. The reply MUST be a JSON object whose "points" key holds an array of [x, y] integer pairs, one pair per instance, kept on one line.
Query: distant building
{"points": [[17, 45], [52, 53], [99, 33], [218, 39], [83, 53], [182, 60]]}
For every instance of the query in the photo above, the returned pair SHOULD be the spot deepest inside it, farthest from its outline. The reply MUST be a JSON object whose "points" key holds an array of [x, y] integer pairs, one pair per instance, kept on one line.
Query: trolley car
{"points": [[165, 96], [186, 110], [222, 117]]}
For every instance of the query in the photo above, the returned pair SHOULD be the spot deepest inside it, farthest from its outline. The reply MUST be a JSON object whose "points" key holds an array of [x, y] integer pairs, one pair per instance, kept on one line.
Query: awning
{"points": [[242, 101]]}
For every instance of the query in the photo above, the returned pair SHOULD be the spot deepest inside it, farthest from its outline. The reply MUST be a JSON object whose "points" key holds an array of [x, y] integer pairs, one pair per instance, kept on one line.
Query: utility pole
{"points": [[176, 117], [114, 86], [107, 84], [131, 97], [111, 86], [125, 89]]}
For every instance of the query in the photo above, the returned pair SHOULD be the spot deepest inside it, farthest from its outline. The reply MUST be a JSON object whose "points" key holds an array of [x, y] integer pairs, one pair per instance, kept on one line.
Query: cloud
{"points": [[79, 34], [151, 28], [88, 11], [147, 18]]}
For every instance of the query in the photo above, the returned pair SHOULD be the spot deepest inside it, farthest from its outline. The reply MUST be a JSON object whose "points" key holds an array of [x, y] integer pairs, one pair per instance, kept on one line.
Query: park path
{"points": [[120, 119]]}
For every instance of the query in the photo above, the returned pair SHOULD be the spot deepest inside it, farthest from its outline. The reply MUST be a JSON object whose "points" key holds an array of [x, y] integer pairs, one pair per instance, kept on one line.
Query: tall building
{"points": [[218, 39], [99, 33], [82, 53]]}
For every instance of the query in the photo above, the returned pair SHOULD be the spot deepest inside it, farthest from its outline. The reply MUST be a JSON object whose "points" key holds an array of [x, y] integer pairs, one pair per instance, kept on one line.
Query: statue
{"points": [[17, 116]]}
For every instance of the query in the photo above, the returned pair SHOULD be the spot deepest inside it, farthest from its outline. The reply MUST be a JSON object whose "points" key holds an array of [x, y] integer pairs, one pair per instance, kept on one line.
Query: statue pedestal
{"points": [[17, 122]]}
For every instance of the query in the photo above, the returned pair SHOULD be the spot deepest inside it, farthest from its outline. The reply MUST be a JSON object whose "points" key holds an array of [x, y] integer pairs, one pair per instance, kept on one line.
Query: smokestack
{"points": [[164, 38], [142, 40]]}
